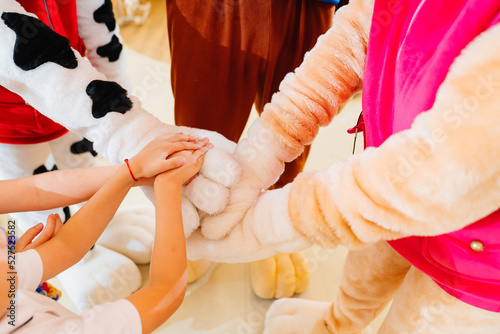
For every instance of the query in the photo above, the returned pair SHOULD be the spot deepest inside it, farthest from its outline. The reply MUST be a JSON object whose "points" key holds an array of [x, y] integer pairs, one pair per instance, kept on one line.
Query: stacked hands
{"points": [[168, 159], [247, 226]]}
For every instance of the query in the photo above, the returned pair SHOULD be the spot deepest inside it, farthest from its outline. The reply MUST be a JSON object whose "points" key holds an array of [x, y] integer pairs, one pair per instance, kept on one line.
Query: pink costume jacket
{"points": [[408, 59]]}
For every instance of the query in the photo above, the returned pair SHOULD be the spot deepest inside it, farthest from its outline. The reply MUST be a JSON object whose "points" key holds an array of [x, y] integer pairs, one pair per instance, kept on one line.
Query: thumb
{"points": [[28, 237]]}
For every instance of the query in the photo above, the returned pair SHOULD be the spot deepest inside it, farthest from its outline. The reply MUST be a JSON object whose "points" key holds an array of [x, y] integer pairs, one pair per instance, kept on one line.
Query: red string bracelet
{"points": [[132, 174]]}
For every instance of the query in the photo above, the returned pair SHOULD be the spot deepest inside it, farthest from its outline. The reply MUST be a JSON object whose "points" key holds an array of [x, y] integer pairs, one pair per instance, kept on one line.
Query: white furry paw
{"points": [[220, 170], [207, 195], [101, 276], [241, 198], [297, 316], [131, 233]]}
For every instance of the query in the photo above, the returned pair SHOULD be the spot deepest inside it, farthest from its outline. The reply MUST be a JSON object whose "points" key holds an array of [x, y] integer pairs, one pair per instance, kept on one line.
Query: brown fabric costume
{"points": [[228, 54]]}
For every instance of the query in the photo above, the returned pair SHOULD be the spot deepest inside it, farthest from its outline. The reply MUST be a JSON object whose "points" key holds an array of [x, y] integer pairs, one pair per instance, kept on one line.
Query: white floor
{"points": [[222, 301]]}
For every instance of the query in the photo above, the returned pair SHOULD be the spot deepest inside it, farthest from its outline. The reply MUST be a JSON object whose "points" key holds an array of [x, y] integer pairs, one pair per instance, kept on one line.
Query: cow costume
{"points": [[64, 60]]}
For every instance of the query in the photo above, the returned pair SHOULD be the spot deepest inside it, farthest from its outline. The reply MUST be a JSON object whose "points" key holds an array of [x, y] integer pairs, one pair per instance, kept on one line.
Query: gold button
{"points": [[27, 104], [476, 245]]}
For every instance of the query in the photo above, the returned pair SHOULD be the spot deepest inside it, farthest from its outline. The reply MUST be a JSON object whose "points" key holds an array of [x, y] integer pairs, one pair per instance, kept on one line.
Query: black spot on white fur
{"points": [[112, 50], [36, 44], [108, 96], [83, 146], [105, 15], [43, 169]]}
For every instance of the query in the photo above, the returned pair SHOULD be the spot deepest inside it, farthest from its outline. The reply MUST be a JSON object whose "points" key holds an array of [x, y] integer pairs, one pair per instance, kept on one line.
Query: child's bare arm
{"points": [[84, 228], [168, 276], [66, 187], [52, 190]]}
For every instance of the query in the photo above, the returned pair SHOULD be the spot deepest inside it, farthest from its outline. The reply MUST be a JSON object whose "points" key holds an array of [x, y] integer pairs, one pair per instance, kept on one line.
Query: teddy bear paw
{"points": [[280, 276], [296, 316], [131, 233], [102, 276]]}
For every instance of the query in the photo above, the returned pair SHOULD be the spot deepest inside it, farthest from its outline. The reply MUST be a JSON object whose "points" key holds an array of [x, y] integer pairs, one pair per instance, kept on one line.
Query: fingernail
{"points": [[39, 225], [211, 145], [182, 161]]}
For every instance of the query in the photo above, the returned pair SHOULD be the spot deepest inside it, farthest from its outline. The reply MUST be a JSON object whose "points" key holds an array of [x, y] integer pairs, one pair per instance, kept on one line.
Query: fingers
{"points": [[179, 137], [185, 146], [52, 227], [48, 231], [58, 223], [28, 237], [172, 163], [199, 155]]}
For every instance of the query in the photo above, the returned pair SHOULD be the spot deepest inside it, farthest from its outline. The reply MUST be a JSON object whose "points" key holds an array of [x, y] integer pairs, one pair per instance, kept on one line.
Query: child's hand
{"points": [[25, 242], [184, 174], [156, 157]]}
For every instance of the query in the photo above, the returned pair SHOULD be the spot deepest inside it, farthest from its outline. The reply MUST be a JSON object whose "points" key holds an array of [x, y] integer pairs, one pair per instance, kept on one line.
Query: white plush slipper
{"points": [[299, 316], [131, 233], [101, 276]]}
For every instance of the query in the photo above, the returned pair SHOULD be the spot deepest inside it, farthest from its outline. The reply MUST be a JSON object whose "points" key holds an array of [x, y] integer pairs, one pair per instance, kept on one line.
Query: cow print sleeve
{"points": [[100, 33], [47, 73]]}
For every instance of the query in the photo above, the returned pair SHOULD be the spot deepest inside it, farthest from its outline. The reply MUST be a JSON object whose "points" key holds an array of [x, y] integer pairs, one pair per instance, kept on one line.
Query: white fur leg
{"points": [[131, 233], [297, 316], [101, 276]]}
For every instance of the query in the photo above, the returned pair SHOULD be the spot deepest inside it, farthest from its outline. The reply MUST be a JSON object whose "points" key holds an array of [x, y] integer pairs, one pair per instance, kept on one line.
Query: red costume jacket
{"points": [[19, 122]]}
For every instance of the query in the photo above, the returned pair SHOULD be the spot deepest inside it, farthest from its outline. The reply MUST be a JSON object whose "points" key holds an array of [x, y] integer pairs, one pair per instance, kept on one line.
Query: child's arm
{"points": [[164, 293], [66, 187], [53, 189], [85, 227]]}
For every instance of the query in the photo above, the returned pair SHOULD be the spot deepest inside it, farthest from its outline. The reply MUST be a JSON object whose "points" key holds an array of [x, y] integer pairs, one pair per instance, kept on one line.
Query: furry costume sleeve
{"points": [[308, 98], [99, 31], [368, 198], [41, 67]]}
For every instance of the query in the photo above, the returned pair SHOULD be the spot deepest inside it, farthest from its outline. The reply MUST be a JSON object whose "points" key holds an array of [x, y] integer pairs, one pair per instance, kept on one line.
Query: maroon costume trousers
{"points": [[229, 54]]}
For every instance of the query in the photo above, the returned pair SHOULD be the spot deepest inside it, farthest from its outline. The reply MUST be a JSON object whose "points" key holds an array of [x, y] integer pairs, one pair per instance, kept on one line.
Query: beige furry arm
{"points": [[439, 176], [308, 98], [329, 75]]}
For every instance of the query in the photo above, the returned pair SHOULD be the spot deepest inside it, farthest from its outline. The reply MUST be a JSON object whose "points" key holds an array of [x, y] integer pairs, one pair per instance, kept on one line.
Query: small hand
{"points": [[25, 242], [158, 155], [193, 162]]}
